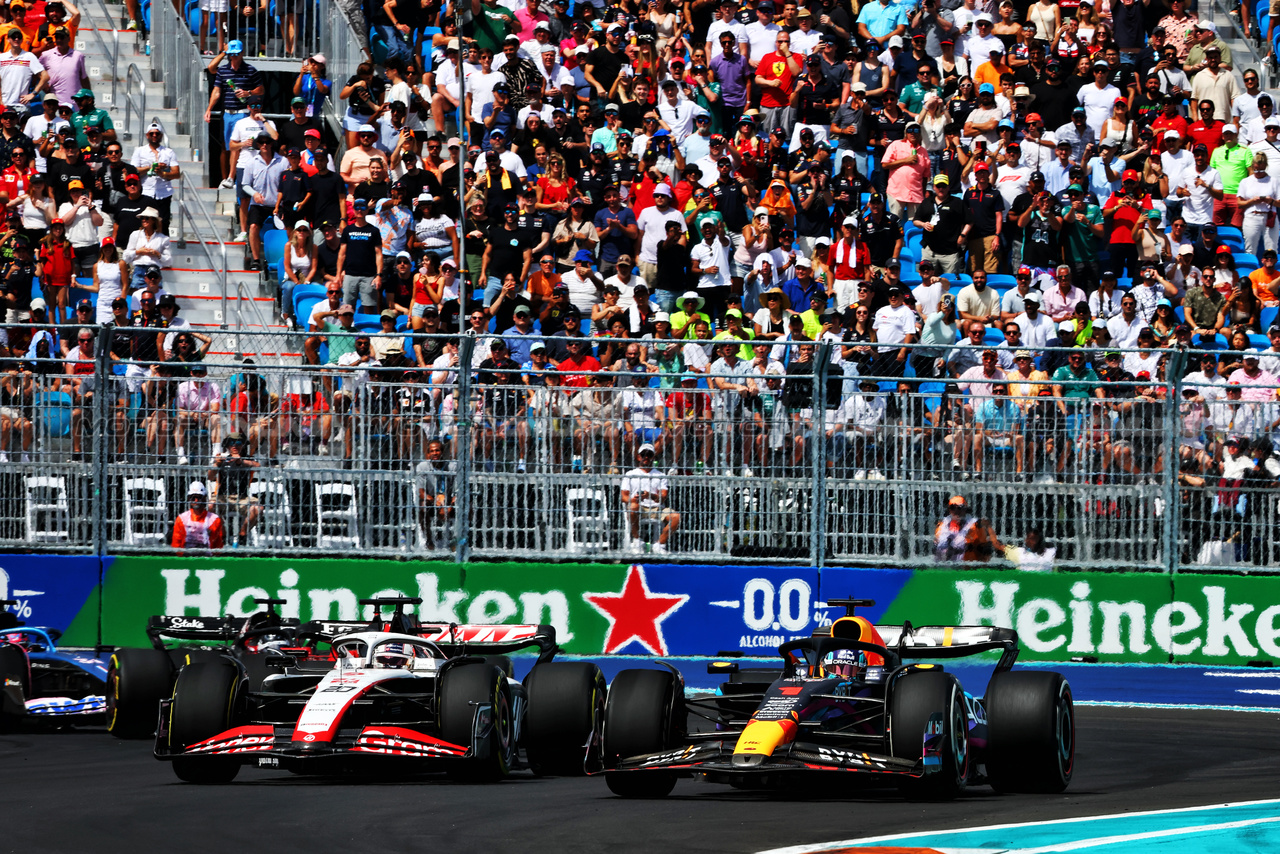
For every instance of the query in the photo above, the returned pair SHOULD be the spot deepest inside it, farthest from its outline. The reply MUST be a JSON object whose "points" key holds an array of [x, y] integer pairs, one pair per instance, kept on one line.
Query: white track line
{"points": [[827, 846]]}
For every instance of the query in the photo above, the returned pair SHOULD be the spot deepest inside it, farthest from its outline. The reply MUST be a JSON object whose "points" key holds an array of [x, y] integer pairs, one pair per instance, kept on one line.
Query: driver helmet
{"points": [[849, 663], [394, 656]]}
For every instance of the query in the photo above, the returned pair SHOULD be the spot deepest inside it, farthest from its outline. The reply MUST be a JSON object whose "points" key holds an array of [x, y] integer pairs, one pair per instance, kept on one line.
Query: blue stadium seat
{"points": [[55, 413], [1181, 314], [1260, 342], [313, 293], [993, 337], [302, 308], [1268, 316], [368, 323], [273, 243], [1001, 281], [1245, 262]]}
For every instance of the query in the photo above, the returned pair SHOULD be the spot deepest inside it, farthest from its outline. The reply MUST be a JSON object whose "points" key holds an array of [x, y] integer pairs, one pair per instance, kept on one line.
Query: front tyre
{"points": [[644, 714], [207, 700], [462, 690], [137, 679], [1031, 732], [916, 697]]}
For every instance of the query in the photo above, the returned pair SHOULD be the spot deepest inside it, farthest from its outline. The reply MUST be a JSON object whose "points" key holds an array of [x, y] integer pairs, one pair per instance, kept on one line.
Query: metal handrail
{"points": [[130, 105], [240, 324], [114, 53], [184, 211]]}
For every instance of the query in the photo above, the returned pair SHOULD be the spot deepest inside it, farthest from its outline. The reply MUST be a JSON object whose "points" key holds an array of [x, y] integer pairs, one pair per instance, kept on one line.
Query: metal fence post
{"points": [[103, 376], [818, 525], [462, 488], [1175, 370]]}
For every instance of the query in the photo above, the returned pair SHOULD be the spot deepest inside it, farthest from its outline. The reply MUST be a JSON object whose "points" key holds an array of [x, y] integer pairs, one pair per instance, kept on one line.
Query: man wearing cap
{"points": [[1200, 188], [234, 84], [1081, 136], [157, 164], [1232, 161], [907, 163], [984, 218], [197, 528], [942, 218], [1257, 384], [602, 66], [984, 119], [1098, 97], [355, 163], [88, 116], [644, 494], [652, 227], [261, 184], [1206, 40], [18, 68]]}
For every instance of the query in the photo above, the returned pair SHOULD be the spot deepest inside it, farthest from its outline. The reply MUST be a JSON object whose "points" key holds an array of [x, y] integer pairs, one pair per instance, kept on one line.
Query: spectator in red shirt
{"points": [[577, 369], [1170, 119], [198, 528], [1122, 211], [1207, 131], [15, 180], [56, 267], [775, 77]]}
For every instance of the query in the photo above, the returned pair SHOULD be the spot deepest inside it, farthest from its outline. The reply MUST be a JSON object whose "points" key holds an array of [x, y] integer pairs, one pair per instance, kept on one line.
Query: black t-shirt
{"points": [[326, 197], [18, 280], [527, 141], [981, 207], [506, 250], [948, 221], [372, 192], [959, 110], [1021, 202], [364, 244], [852, 186], [1039, 243], [631, 114], [673, 266], [327, 258], [503, 386], [593, 184], [62, 173], [812, 109], [294, 186], [729, 201], [880, 237], [814, 221], [1053, 102], [127, 222], [887, 128], [294, 135], [605, 65], [364, 101]]}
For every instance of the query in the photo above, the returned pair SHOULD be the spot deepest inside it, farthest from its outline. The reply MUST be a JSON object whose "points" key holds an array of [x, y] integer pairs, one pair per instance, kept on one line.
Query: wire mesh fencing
{"points": [[485, 446]]}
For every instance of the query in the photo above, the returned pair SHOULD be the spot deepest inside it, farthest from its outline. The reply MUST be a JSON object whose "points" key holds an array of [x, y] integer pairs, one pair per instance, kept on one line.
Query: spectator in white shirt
{"points": [[18, 68], [1126, 326], [1038, 329]]}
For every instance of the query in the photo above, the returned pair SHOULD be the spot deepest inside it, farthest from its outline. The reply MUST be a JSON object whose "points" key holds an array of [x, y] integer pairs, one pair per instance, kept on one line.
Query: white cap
{"points": [[367, 129], [1032, 296], [761, 211], [661, 317], [645, 447], [302, 223], [542, 25], [802, 261], [40, 304], [613, 27], [982, 16], [1066, 326], [662, 190], [1186, 249], [549, 48], [426, 197], [1273, 122], [850, 220], [1172, 133], [1208, 26], [449, 262], [895, 41], [1251, 353], [197, 488]]}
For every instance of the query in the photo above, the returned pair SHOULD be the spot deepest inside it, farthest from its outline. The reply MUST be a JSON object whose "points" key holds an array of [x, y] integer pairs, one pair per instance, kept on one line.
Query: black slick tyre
{"points": [[137, 680], [643, 714], [462, 689], [566, 713], [1030, 732], [916, 697], [15, 685], [206, 701]]}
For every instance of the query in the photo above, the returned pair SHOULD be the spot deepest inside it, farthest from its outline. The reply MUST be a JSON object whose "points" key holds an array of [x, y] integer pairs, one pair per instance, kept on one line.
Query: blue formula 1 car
{"points": [[42, 683]]}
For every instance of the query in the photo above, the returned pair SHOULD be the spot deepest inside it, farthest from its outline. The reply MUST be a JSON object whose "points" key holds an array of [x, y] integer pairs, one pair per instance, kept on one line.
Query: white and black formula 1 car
{"points": [[42, 684], [138, 678], [393, 694], [853, 699]]}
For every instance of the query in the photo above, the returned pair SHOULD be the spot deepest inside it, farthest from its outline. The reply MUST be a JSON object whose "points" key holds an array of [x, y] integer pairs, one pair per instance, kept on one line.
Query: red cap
{"points": [[108, 241], [982, 167], [1129, 175], [312, 132], [1222, 250], [1034, 117], [1024, 269], [57, 221]]}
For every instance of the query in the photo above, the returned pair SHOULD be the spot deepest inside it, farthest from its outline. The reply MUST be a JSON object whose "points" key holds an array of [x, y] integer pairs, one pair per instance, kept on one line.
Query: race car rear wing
{"points": [[453, 638], [219, 629], [910, 641]]}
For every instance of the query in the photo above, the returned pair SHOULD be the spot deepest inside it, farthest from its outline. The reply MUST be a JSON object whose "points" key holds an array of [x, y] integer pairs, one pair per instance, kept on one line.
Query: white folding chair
{"points": [[274, 528], [145, 511], [588, 520], [48, 512], [337, 523]]}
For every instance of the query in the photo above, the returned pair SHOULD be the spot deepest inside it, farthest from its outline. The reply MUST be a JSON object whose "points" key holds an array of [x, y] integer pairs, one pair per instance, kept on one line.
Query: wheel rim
{"points": [[960, 738], [1066, 733], [502, 725]]}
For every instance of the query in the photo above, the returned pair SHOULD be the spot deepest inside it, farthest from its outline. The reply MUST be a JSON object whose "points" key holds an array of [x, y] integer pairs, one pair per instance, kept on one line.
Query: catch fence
{"points": [[802, 453]]}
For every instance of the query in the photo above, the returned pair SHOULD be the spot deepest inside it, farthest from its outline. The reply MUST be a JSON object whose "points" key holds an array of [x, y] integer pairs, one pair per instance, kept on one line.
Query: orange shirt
{"points": [[1260, 279]]}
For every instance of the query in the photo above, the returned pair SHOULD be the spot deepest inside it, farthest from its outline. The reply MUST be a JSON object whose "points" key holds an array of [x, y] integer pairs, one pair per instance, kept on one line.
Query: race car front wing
{"points": [[718, 758]]}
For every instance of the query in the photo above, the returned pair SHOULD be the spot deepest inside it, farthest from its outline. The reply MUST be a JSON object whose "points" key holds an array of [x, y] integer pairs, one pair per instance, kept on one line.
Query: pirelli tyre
{"points": [[914, 699], [208, 698], [565, 716], [644, 714], [1031, 731], [137, 680], [462, 689], [15, 684]]}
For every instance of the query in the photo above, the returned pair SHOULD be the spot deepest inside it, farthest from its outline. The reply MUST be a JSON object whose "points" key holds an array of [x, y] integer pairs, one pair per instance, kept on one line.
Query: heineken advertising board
{"points": [[667, 609]]}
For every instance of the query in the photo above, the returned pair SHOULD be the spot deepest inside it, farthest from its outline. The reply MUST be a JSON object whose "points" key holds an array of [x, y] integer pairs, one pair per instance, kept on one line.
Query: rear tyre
{"points": [[566, 713], [1031, 732], [917, 696], [461, 688], [207, 700], [502, 662], [137, 680], [644, 714]]}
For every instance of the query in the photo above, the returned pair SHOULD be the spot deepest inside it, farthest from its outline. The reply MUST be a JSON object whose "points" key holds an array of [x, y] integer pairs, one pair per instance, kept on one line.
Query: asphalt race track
{"points": [[84, 791]]}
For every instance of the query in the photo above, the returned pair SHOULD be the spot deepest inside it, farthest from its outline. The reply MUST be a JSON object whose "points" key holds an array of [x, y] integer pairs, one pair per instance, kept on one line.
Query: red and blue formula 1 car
{"points": [[43, 684], [396, 693], [852, 699]]}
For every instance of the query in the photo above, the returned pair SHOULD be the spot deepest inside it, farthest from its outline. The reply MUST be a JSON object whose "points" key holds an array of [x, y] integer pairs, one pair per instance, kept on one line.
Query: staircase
{"points": [[193, 280]]}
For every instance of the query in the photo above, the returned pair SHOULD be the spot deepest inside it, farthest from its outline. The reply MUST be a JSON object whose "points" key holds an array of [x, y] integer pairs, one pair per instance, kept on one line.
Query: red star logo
{"points": [[635, 614]]}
